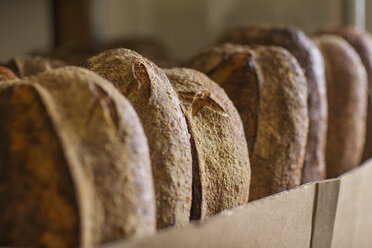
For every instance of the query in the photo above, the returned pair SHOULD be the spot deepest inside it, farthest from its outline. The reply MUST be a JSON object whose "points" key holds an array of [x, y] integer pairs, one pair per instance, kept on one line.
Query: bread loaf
{"points": [[158, 107], [347, 104], [6, 74], [75, 165], [27, 65], [361, 41], [268, 88], [310, 59], [221, 173]]}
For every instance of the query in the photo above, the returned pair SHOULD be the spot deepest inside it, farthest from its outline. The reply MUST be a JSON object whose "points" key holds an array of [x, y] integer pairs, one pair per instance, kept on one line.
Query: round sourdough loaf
{"points": [[27, 65], [75, 165], [268, 88], [6, 74], [310, 59], [361, 41], [347, 90], [158, 107], [221, 169]]}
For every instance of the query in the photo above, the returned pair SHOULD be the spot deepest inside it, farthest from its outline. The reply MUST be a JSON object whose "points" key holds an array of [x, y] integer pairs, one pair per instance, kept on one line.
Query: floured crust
{"points": [[95, 167], [221, 149], [310, 59], [361, 41], [276, 86], [27, 65], [347, 89], [158, 107]]}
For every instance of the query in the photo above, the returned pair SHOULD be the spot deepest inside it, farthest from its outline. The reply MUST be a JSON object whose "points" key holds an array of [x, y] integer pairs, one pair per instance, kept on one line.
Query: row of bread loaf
{"points": [[91, 156]]}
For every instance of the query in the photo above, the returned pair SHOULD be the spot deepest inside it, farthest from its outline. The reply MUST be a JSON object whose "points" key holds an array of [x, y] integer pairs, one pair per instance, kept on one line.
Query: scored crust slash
{"points": [[141, 80], [99, 95], [200, 100], [230, 62]]}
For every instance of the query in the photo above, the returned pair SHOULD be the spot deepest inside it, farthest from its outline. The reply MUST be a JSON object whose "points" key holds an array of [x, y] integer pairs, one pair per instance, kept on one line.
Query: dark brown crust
{"points": [[220, 147], [6, 74], [103, 148], [158, 107], [310, 59], [26, 215], [241, 83], [361, 41], [280, 113], [347, 104], [196, 210], [27, 65]]}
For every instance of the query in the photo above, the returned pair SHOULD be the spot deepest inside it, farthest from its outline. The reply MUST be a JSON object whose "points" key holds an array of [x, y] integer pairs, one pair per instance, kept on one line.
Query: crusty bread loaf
{"points": [[27, 65], [75, 165], [268, 88], [361, 41], [158, 107], [310, 59], [221, 173], [6, 74], [347, 104]]}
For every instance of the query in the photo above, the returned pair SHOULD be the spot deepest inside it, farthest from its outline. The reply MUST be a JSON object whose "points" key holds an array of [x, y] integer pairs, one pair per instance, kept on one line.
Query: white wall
{"points": [[24, 26], [369, 15], [189, 25], [186, 26]]}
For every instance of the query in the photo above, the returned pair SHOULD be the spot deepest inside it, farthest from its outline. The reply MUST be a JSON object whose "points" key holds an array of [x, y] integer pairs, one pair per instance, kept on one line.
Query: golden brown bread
{"points": [[6, 74], [221, 168], [310, 59], [361, 41], [158, 107], [27, 65], [75, 165], [268, 88], [347, 104]]}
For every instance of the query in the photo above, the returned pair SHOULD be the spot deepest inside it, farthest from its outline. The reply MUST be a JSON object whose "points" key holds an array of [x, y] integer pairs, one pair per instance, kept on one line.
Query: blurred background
{"points": [[184, 26]]}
